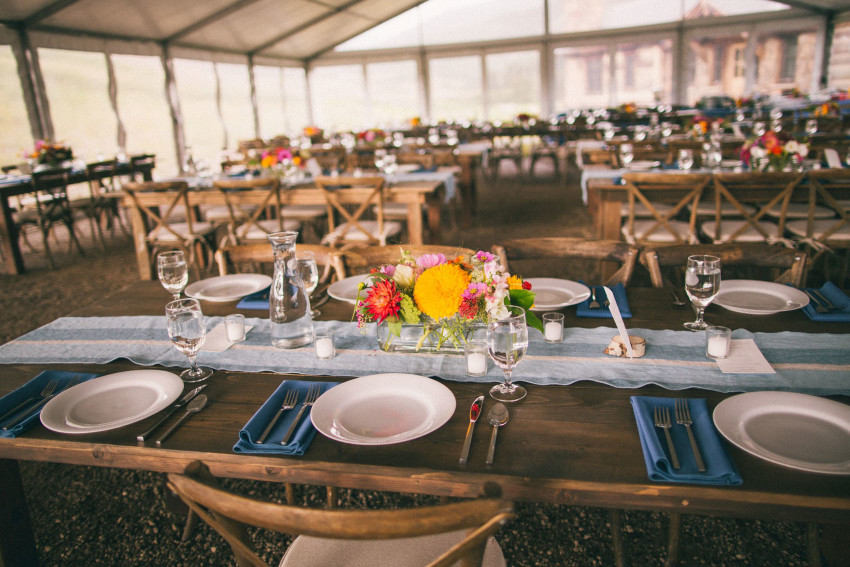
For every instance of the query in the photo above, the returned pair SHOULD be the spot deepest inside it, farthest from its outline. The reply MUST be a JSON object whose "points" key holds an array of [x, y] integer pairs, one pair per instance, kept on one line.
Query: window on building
{"points": [[513, 84], [571, 80], [789, 59], [456, 88], [719, 60], [17, 137], [629, 63], [740, 61], [643, 72]]}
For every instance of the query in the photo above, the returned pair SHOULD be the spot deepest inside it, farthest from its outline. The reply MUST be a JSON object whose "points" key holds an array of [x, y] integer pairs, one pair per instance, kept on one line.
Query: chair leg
{"points": [[333, 498], [616, 519], [673, 539], [813, 537]]}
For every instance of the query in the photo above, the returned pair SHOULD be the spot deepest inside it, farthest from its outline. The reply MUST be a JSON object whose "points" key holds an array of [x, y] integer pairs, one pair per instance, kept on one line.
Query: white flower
{"points": [[758, 152], [792, 147], [803, 150], [403, 275]]}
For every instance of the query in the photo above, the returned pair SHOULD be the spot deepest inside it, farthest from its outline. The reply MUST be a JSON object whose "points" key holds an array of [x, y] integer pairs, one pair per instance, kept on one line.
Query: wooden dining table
{"points": [[13, 186], [566, 445]]}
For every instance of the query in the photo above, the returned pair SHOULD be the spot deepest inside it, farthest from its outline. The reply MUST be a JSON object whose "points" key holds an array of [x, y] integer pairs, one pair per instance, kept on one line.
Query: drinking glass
{"points": [[507, 342], [702, 282], [686, 159], [627, 154], [186, 330], [380, 155], [811, 126], [173, 271], [309, 272]]}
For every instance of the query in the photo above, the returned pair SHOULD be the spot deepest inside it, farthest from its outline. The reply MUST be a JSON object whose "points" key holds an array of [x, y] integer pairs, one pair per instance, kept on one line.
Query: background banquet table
{"points": [[574, 444]]}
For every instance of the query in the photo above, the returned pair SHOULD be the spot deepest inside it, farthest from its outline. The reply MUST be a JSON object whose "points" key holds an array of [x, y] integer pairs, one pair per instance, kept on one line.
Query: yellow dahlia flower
{"points": [[438, 291], [514, 282]]}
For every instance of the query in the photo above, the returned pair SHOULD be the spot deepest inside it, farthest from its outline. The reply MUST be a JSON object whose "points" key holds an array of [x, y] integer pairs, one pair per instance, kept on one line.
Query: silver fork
{"points": [[23, 414], [288, 403], [683, 417], [662, 420], [593, 303], [46, 391], [312, 396]]}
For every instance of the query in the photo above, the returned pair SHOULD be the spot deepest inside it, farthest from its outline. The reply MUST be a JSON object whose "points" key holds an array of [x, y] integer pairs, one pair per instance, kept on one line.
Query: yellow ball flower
{"points": [[438, 291], [515, 282]]}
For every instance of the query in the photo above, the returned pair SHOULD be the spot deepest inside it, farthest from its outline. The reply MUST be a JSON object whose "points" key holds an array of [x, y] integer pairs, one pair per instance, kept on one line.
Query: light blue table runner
{"points": [[815, 364]]}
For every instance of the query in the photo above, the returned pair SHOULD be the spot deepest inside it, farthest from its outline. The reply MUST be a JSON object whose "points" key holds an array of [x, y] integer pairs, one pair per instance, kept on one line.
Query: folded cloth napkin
{"points": [[720, 470], [303, 435], [584, 310], [838, 298], [257, 300], [32, 390]]}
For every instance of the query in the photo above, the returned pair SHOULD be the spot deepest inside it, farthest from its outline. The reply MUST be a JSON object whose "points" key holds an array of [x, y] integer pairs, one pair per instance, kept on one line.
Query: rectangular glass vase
{"points": [[446, 338]]}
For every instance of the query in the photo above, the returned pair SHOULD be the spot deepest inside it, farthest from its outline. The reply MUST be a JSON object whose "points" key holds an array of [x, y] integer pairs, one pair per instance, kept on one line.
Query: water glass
{"points": [[717, 342], [627, 154], [553, 327], [812, 126], [324, 339], [686, 159], [309, 272], [507, 343], [187, 330], [235, 327], [173, 272], [475, 356], [702, 283]]}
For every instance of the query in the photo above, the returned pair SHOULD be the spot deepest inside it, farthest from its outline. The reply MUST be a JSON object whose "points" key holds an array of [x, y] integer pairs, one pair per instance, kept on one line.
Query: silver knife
{"points": [[824, 300], [816, 303], [183, 401], [474, 414]]}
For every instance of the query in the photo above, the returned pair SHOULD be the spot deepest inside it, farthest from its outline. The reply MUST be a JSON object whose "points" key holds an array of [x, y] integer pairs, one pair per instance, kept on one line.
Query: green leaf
{"points": [[394, 326], [525, 299]]}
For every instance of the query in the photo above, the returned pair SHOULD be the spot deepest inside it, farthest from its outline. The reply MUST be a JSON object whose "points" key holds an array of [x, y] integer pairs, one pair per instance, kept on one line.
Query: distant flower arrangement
{"points": [[49, 152], [771, 151], [450, 292]]}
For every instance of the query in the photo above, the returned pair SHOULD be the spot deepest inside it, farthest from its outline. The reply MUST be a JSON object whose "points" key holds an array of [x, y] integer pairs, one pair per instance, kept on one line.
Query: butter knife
{"points": [[183, 401], [474, 414]]}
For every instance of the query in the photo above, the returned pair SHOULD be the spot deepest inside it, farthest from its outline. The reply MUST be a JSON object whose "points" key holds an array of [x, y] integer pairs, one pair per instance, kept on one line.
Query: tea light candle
{"points": [[476, 363], [235, 327], [552, 331], [325, 347], [718, 346]]}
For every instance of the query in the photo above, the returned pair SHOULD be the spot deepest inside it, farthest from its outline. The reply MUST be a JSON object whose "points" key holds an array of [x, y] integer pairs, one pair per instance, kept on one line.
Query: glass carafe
{"points": [[289, 305]]}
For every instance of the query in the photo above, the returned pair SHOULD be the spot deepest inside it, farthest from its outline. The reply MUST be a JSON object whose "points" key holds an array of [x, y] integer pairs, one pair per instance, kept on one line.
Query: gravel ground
{"points": [[101, 516]]}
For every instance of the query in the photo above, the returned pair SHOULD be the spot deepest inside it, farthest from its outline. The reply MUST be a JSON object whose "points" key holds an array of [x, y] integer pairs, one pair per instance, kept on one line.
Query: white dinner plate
{"points": [[346, 288], [797, 431], [753, 297], [553, 293], [111, 401], [228, 288], [382, 409], [643, 165]]}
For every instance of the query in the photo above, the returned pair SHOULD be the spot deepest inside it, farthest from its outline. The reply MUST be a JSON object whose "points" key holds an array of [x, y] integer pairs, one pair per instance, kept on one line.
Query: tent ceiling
{"points": [[292, 29]]}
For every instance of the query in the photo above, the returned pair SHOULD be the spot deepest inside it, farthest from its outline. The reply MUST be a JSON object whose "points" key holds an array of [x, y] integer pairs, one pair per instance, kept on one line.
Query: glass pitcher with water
{"points": [[289, 305]]}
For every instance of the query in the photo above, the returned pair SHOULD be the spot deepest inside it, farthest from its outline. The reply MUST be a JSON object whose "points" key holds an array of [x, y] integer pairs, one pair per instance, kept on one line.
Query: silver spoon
{"points": [[194, 406], [676, 301], [497, 417]]}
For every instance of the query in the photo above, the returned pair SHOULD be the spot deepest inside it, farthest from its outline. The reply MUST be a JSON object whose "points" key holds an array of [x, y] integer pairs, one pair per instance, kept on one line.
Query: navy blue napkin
{"points": [[257, 300], [838, 298], [720, 470], [303, 435], [584, 310], [33, 389]]}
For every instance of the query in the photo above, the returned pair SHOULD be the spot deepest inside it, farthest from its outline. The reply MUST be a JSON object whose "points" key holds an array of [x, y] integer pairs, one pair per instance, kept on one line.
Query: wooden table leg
{"points": [[414, 222], [433, 205], [17, 543], [143, 255]]}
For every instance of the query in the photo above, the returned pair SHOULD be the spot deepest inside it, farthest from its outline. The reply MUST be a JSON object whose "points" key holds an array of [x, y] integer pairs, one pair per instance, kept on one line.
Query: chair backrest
{"points": [[762, 190], [362, 259], [147, 198], [548, 249], [788, 265], [263, 192], [51, 188], [360, 158], [332, 159], [139, 163], [361, 193], [228, 513], [101, 176], [826, 188], [679, 190], [423, 159], [258, 257]]}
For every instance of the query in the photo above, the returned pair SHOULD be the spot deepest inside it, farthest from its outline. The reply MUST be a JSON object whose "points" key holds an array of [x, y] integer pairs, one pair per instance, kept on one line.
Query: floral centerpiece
{"points": [[772, 151], [371, 136], [280, 162], [442, 298], [52, 153]]}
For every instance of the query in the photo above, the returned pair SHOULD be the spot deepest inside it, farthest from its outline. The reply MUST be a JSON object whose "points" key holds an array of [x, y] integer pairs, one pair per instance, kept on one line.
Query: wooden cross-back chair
{"points": [[787, 265], [767, 193], [351, 198], [104, 192], [51, 207], [421, 158], [192, 236], [653, 191], [139, 163], [362, 259], [621, 253], [258, 257], [438, 536], [248, 201]]}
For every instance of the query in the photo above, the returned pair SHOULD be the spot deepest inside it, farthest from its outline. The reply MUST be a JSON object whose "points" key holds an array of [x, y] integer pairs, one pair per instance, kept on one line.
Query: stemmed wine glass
{"points": [[173, 271], [686, 159], [702, 282], [186, 330], [309, 272], [627, 154], [507, 342]]}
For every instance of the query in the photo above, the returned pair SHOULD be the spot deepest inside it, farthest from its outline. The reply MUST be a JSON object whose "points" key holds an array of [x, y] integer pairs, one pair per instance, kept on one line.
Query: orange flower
{"points": [[515, 282], [383, 300]]}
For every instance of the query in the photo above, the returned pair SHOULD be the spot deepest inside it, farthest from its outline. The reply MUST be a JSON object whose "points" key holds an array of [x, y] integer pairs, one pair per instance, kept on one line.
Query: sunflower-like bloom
{"points": [[383, 300], [439, 290], [515, 282]]}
